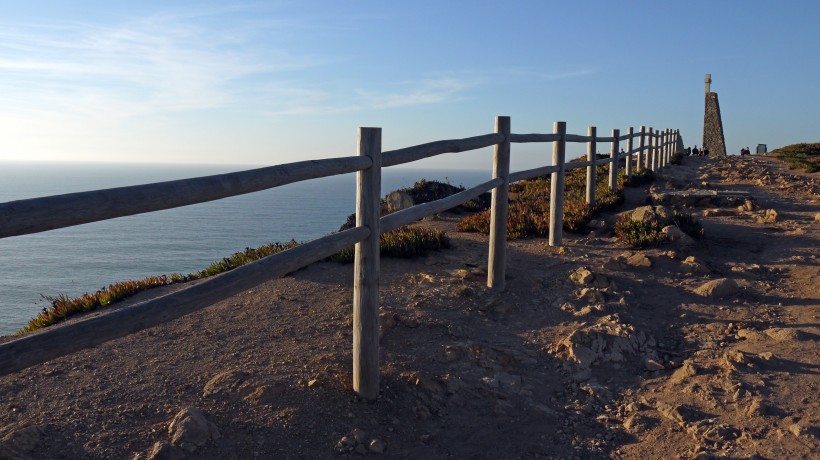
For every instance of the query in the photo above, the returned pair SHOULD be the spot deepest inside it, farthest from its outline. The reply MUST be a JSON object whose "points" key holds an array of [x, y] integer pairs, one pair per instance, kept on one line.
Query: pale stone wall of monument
{"points": [[713, 138]]}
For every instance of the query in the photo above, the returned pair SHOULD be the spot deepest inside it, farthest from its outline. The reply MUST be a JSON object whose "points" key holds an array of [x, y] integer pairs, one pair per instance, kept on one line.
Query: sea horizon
{"points": [[75, 260]]}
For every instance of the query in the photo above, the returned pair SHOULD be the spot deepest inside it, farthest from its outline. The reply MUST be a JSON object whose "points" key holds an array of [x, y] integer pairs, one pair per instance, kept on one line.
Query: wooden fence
{"points": [[653, 151]]}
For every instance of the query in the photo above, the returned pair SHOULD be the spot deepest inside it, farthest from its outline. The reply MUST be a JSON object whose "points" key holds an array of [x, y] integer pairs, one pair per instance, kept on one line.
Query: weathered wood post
{"points": [[613, 166], [629, 132], [641, 146], [668, 157], [366, 269], [654, 164], [592, 168], [557, 185], [648, 159], [497, 263], [659, 156]]}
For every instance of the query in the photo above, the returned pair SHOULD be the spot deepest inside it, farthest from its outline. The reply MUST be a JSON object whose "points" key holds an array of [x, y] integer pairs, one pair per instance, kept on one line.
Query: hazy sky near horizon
{"points": [[260, 83]]}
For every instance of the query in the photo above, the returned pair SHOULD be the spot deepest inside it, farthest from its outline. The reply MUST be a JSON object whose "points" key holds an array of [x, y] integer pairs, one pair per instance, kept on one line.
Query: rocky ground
{"points": [[693, 349]]}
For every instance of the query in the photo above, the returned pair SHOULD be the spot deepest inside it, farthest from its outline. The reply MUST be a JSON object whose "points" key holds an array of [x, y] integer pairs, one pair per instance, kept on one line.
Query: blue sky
{"points": [[260, 83]]}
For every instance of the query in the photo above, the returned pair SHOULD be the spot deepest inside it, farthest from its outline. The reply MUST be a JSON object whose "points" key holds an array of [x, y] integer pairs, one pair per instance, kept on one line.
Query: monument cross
{"points": [[708, 82]]}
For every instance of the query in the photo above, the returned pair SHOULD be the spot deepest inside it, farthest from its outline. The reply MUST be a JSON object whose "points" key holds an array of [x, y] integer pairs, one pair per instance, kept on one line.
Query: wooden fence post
{"points": [[661, 148], [366, 269], [641, 146], [613, 166], [668, 157], [629, 132], [557, 185], [655, 152], [592, 170], [497, 263], [648, 159]]}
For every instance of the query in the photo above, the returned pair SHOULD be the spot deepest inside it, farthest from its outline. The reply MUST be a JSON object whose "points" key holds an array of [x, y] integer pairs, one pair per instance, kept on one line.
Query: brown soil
{"points": [[471, 374]]}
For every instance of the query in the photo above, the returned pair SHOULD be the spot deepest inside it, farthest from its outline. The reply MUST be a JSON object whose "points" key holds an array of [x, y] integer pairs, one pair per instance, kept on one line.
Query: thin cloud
{"points": [[152, 65]]}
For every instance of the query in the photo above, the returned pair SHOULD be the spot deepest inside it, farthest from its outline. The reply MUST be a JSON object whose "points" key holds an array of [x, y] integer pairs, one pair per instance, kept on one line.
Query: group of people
{"points": [[697, 153], [745, 151]]}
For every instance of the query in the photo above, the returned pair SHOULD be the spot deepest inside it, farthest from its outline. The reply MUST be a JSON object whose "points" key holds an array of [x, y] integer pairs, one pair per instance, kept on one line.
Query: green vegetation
{"points": [[638, 234], [530, 202], [63, 306], [801, 156], [403, 242]]}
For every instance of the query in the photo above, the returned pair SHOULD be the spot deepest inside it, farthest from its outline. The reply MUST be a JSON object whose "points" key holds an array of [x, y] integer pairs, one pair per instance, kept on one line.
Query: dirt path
{"points": [[629, 362]]}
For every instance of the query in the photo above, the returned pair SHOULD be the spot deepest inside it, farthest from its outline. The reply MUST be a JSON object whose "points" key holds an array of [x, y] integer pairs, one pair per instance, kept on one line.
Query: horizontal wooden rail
{"points": [[577, 138], [523, 138], [419, 211], [605, 139], [431, 149], [52, 212], [530, 173], [59, 341]]}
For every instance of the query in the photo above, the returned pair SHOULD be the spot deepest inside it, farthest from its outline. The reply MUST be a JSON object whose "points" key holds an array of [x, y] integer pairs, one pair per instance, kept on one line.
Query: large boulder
{"points": [[398, 200]]}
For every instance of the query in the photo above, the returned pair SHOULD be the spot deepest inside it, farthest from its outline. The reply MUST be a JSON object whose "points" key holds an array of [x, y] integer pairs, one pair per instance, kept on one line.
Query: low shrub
{"points": [[805, 156], [63, 306], [687, 223], [638, 234], [676, 158], [403, 242], [528, 213]]}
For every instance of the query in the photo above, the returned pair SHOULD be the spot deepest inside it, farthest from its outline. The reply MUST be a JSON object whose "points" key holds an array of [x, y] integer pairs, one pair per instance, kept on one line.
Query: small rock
{"points": [[652, 365], [377, 446], [639, 423], [191, 430], [585, 277], [770, 216], [387, 321], [677, 413], [313, 383], [721, 287], [165, 451], [227, 385], [782, 334], [265, 394], [687, 370], [639, 260], [797, 429], [582, 276]]}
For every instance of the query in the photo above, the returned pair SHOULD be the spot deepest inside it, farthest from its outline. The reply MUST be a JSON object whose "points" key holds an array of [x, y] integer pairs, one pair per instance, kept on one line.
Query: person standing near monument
{"points": [[704, 152], [695, 151]]}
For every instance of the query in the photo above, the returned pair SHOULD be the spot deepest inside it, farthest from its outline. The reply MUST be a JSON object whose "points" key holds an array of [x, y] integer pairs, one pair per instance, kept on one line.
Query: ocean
{"points": [[75, 260]]}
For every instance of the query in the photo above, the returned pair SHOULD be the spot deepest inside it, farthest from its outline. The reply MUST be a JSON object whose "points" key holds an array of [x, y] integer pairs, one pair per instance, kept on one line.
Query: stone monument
{"points": [[713, 138]]}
